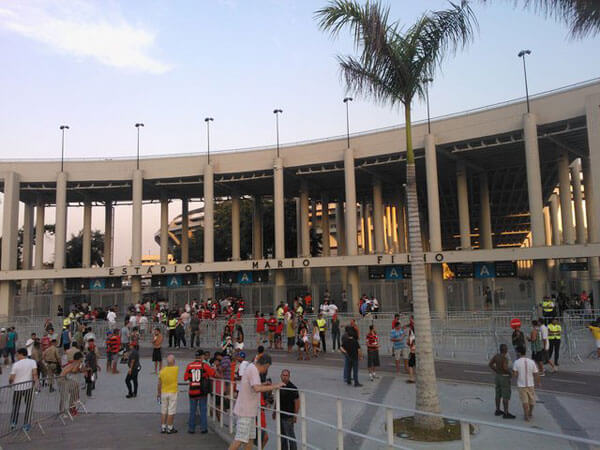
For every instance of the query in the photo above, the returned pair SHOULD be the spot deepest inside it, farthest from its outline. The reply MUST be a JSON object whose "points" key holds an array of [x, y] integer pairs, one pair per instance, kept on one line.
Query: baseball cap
{"points": [[199, 353], [242, 355]]}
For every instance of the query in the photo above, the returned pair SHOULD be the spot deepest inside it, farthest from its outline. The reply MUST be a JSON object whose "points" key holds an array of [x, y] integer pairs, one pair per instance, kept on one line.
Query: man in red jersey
{"points": [[198, 374], [260, 328]]}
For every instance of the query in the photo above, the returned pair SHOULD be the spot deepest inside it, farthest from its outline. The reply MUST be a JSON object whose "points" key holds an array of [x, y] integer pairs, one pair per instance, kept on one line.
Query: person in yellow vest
{"points": [[548, 308], [322, 324], [172, 325], [554, 336], [594, 327], [67, 322]]}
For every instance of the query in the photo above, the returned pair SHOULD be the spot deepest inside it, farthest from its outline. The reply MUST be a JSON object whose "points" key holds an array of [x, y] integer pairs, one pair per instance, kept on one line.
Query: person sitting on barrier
{"points": [[24, 374], [69, 388]]}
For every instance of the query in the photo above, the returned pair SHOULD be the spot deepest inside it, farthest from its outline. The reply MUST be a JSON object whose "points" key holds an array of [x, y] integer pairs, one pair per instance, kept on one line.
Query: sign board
{"points": [[98, 283], [484, 270], [506, 269], [514, 323], [394, 273], [376, 272], [245, 277], [573, 266], [174, 281], [463, 270]]}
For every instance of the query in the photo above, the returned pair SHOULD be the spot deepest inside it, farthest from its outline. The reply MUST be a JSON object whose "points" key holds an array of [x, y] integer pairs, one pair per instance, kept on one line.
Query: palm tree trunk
{"points": [[426, 384]]}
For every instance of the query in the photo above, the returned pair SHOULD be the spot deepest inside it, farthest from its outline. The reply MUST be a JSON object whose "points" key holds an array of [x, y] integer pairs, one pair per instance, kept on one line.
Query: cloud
{"points": [[78, 28]]}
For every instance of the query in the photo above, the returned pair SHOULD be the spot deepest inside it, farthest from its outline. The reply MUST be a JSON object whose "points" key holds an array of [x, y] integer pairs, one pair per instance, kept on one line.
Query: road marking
{"points": [[567, 381], [477, 371]]}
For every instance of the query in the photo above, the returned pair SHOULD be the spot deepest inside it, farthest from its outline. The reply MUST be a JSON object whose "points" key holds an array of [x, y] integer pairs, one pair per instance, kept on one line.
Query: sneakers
{"points": [[371, 377], [171, 431], [498, 413], [507, 416], [357, 385], [163, 430]]}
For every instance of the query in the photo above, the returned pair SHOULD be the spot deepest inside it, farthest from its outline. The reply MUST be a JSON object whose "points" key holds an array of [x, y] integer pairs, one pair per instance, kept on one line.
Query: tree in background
{"points": [[74, 250]]}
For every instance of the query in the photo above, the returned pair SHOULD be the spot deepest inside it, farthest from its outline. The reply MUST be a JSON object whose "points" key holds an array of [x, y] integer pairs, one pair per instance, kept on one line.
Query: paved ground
{"points": [[115, 431], [464, 391]]}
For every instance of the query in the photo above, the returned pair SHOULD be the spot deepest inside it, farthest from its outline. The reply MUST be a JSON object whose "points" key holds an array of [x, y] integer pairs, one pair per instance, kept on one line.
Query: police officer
{"points": [[322, 324], [172, 326], [548, 308], [554, 336]]}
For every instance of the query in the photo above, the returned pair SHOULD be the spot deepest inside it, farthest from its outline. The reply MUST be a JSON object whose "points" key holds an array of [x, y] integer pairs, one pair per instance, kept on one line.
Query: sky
{"points": [[102, 66]]}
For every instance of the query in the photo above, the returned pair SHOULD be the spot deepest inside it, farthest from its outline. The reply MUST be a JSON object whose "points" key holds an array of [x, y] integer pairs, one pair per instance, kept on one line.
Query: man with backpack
{"points": [[198, 374]]}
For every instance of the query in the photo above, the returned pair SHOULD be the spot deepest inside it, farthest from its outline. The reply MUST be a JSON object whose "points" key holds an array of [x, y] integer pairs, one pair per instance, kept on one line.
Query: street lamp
{"points": [[277, 112], [62, 151], [522, 54], [208, 120], [426, 82], [138, 125], [347, 101]]}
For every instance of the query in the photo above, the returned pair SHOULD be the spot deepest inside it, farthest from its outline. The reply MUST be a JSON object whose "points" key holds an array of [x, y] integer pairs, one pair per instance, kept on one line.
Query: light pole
{"points": [[138, 125], [208, 120], [426, 82], [347, 101], [62, 147], [522, 54], [277, 112]]}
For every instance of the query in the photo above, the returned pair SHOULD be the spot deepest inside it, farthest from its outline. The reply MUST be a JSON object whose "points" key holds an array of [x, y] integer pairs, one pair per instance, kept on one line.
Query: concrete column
{"points": [[108, 234], [592, 219], [340, 229], [164, 229], [566, 210], [363, 239], [435, 226], [209, 228], [279, 226], [86, 250], [555, 238], [378, 216], [185, 231], [351, 247], [369, 224], [304, 226], [592, 107], [235, 226], [27, 236], [536, 205], [464, 224], [485, 226], [60, 238], [257, 247], [40, 210], [580, 232], [325, 237], [10, 233], [136, 232]]}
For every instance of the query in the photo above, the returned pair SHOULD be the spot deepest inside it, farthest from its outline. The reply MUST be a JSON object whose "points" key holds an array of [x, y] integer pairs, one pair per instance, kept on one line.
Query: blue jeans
{"points": [[353, 365], [194, 403]]}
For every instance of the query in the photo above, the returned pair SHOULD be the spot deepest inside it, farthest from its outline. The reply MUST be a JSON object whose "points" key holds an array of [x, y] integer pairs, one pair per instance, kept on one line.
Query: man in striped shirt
{"points": [[194, 373]]}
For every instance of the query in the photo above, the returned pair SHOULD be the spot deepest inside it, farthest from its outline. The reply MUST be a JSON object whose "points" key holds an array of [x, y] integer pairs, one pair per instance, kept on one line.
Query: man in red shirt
{"points": [[278, 333], [195, 373], [272, 324], [260, 328]]}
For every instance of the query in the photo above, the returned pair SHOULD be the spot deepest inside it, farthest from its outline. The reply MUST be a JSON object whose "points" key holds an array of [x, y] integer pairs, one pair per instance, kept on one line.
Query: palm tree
{"points": [[391, 69], [582, 16]]}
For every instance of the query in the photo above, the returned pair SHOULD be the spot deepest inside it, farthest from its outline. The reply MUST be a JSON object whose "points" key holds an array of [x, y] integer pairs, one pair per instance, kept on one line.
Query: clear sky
{"points": [[101, 66]]}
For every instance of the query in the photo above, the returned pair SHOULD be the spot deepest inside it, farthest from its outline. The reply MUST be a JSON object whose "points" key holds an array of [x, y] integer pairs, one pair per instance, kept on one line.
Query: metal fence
{"points": [[28, 406], [222, 400]]}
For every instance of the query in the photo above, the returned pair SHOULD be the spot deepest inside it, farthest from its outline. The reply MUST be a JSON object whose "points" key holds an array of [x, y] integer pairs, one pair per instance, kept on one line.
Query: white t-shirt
{"points": [[240, 370], [23, 371], [525, 368], [333, 309], [29, 346], [544, 331], [247, 401], [111, 316]]}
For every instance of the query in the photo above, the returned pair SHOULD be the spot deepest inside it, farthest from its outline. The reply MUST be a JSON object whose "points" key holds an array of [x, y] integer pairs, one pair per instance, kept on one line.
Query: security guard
{"points": [[554, 336], [322, 324], [67, 322], [172, 326], [548, 308]]}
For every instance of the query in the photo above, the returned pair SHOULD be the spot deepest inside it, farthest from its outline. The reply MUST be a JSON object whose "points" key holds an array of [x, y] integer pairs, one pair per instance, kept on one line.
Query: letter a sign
{"points": [[174, 281], [394, 273], [97, 283], [244, 277], [485, 270]]}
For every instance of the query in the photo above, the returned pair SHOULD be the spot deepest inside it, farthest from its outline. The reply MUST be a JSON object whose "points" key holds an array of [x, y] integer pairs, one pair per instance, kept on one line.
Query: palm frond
{"points": [[581, 16]]}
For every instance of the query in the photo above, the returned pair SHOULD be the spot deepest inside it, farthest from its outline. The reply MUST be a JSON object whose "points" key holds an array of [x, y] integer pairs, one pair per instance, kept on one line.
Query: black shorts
{"points": [[156, 355], [291, 342], [373, 358], [412, 360], [541, 356]]}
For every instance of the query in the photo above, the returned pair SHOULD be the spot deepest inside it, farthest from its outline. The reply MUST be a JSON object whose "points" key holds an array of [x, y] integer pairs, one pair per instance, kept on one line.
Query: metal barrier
{"points": [[385, 438], [28, 405]]}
